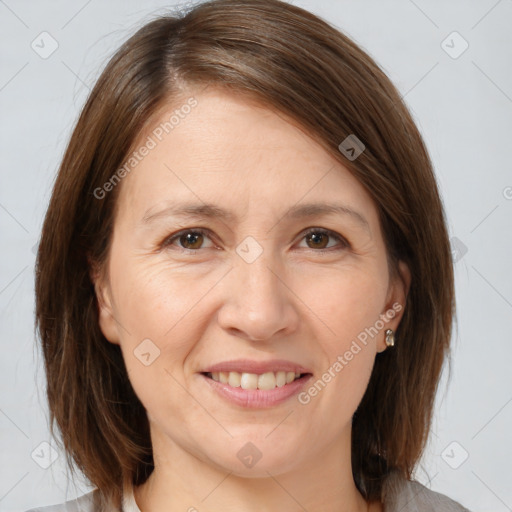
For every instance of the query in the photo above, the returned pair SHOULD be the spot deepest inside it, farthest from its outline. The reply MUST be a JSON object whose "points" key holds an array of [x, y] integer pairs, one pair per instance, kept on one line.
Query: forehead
{"points": [[217, 147]]}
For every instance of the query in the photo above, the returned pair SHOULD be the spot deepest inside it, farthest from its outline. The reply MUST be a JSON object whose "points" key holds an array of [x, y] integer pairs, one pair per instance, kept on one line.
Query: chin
{"points": [[256, 459]]}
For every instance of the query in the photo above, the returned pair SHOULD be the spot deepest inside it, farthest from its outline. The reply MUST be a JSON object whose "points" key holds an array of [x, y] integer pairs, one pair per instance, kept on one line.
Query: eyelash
{"points": [[344, 244]]}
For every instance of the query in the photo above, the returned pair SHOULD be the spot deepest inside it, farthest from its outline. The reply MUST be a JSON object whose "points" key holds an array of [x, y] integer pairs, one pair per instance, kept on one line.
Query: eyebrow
{"points": [[297, 212]]}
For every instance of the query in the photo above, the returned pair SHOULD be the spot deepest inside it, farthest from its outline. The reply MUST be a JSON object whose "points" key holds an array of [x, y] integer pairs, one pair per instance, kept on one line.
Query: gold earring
{"points": [[390, 338]]}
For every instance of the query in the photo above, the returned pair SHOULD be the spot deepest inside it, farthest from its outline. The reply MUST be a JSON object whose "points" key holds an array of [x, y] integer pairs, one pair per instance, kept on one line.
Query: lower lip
{"points": [[257, 398]]}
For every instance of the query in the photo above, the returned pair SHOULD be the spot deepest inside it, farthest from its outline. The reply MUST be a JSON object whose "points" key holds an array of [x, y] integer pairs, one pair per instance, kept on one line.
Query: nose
{"points": [[258, 303]]}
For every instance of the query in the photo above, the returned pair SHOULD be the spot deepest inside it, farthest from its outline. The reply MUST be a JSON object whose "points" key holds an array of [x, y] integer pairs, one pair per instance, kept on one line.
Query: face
{"points": [[263, 286]]}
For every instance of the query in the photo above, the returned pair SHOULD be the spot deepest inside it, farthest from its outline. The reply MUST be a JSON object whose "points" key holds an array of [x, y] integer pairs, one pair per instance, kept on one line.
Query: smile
{"points": [[242, 389], [264, 381]]}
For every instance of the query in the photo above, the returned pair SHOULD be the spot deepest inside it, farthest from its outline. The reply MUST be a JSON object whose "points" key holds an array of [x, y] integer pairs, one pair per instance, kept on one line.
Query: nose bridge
{"points": [[259, 278], [259, 285], [259, 304]]}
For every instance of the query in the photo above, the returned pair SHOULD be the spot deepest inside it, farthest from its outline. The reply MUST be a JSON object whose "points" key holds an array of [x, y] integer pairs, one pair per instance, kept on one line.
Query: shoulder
{"points": [[86, 503], [399, 494]]}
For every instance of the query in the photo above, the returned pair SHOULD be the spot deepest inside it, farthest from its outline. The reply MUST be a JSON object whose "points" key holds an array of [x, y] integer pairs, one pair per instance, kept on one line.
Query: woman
{"points": [[244, 281]]}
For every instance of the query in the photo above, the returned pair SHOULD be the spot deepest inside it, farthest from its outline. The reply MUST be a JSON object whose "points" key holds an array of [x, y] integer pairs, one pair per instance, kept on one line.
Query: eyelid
{"points": [[344, 243]]}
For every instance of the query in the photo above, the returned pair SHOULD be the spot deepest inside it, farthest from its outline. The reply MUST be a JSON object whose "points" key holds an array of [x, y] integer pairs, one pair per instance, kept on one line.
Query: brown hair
{"points": [[296, 64]]}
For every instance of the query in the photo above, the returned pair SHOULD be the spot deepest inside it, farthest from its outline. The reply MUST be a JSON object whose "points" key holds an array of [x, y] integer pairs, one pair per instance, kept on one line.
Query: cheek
{"points": [[347, 301], [164, 304], [154, 310], [160, 329], [153, 297]]}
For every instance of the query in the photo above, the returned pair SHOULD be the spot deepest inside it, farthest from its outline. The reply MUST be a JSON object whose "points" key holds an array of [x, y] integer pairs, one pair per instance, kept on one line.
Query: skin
{"points": [[294, 302]]}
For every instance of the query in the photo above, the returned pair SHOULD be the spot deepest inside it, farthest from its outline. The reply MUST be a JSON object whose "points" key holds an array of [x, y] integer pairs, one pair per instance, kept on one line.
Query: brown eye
{"points": [[316, 238], [189, 239], [319, 238]]}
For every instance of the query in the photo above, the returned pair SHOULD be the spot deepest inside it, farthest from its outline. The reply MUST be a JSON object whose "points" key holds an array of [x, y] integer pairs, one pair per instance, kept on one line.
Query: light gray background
{"points": [[463, 107]]}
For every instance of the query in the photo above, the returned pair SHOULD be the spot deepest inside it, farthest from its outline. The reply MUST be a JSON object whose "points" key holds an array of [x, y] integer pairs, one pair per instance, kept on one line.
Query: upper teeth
{"points": [[268, 380]]}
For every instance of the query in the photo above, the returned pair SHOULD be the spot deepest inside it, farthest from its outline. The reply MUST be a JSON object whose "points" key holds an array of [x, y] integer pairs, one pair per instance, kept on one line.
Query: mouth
{"points": [[251, 381], [256, 384], [256, 390]]}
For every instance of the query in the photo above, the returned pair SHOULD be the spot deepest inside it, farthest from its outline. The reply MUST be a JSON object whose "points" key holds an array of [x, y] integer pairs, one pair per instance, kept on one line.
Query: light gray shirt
{"points": [[398, 495]]}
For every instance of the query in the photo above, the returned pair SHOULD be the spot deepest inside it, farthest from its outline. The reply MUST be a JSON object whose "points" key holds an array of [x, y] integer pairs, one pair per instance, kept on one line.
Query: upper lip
{"points": [[258, 367]]}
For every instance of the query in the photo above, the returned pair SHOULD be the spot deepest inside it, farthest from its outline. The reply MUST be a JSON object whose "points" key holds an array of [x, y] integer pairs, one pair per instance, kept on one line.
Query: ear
{"points": [[395, 303], [107, 321]]}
